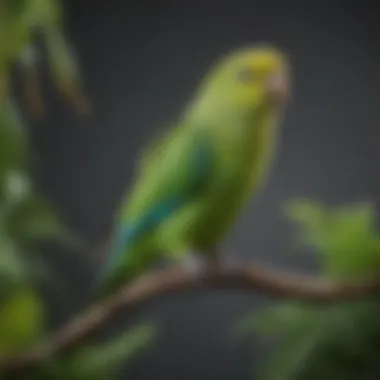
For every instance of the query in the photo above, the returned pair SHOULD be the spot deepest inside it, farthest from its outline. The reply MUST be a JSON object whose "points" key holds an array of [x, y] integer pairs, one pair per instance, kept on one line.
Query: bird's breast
{"points": [[245, 153]]}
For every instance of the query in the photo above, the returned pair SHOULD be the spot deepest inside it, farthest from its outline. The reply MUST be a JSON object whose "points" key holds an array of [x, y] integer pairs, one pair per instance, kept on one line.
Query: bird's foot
{"points": [[195, 265]]}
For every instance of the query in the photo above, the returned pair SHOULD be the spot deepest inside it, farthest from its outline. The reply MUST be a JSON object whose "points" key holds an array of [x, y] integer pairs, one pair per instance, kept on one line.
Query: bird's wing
{"points": [[179, 174]]}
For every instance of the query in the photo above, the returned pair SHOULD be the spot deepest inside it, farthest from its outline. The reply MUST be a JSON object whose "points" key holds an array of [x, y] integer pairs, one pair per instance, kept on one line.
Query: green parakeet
{"points": [[194, 181]]}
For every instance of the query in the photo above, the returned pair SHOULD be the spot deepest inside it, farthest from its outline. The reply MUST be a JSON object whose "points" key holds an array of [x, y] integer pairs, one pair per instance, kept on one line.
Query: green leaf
{"points": [[354, 250], [16, 7], [21, 321], [17, 186], [331, 342], [283, 317], [98, 362], [12, 142], [33, 220], [64, 69], [305, 211], [291, 360], [313, 221], [13, 270], [345, 237]]}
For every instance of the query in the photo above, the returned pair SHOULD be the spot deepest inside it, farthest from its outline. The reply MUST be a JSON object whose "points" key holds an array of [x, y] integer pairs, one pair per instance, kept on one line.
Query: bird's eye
{"points": [[246, 75]]}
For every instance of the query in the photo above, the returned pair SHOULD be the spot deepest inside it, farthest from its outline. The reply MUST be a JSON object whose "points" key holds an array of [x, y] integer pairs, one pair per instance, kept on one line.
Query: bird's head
{"points": [[250, 78]]}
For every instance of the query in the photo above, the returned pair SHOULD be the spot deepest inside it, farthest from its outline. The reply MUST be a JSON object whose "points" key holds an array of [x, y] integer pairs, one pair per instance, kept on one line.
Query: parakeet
{"points": [[194, 181]]}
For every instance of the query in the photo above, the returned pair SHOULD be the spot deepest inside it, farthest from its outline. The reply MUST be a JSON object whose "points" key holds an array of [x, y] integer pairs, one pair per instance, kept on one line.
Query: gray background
{"points": [[141, 60]]}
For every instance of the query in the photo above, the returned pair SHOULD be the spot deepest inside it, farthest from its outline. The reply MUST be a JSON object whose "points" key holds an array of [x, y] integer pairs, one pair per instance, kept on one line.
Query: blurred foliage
{"points": [[345, 238], [98, 362], [26, 219], [21, 320], [21, 21], [339, 341], [101, 362]]}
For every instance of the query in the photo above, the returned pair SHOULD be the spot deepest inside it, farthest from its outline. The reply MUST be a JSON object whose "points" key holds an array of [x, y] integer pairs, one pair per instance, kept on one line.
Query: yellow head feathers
{"points": [[263, 58], [250, 77]]}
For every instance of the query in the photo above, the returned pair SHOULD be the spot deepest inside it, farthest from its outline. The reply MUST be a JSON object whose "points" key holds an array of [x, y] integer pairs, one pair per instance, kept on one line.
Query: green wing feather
{"points": [[177, 175]]}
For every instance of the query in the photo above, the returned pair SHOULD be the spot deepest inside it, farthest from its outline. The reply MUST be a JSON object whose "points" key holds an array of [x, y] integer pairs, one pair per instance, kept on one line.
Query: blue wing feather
{"points": [[128, 233]]}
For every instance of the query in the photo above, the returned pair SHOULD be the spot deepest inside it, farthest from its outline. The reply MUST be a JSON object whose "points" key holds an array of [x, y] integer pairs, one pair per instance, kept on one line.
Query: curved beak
{"points": [[279, 88]]}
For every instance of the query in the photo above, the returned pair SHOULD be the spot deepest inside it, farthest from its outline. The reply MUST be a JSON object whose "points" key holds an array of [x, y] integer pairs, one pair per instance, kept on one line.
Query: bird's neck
{"points": [[207, 112], [248, 133]]}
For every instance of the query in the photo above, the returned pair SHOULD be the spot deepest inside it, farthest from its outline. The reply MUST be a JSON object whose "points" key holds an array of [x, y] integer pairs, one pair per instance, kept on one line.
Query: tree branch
{"points": [[273, 283]]}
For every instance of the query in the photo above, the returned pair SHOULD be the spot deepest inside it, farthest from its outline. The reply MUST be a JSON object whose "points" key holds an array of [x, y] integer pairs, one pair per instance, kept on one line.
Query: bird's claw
{"points": [[195, 265]]}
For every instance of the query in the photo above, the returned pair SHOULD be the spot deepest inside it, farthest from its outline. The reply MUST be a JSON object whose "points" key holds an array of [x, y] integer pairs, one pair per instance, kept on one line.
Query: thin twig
{"points": [[272, 283]]}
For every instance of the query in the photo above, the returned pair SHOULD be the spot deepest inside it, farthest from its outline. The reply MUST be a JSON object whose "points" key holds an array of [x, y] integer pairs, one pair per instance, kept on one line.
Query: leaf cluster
{"points": [[26, 218], [339, 341]]}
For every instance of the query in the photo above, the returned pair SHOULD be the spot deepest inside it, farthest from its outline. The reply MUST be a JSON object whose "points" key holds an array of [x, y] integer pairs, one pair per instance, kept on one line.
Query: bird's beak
{"points": [[279, 88]]}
